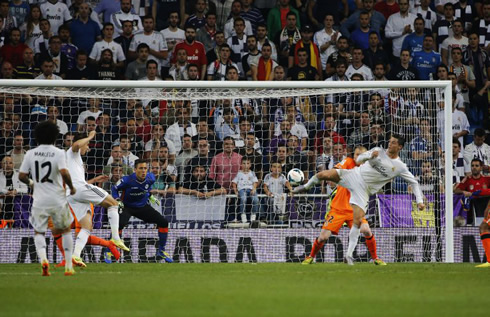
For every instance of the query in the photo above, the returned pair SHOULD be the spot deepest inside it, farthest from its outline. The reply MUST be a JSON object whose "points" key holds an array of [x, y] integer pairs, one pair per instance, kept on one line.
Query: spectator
{"points": [[238, 42], [403, 70], [377, 112], [429, 183], [326, 39], [317, 10], [328, 131], [198, 18], [19, 9], [230, 29], [203, 158], [195, 51], [136, 140], [225, 165], [106, 68], [466, 13], [302, 70], [263, 68], [374, 53], [57, 13], [206, 34], [18, 151], [108, 43], [115, 173], [200, 184], [59, 58], [250, 151], [262, 39], [227, 127], [184, 156], [481, 26], [245, 186], [399, 25], [162, 9], [161, 155], [379, 75], [479, 105], [324, 161], [456, 40], [10, 187], [442, 28], [338, 75], [14, 50], [75, 12], [203, 132], [252, 14], [67, 48], [6, 136], [295, 159], [387, 8], [357, 66], [277, 21], [173, 36], [313, 54], [274, 184], [426, 13], [465, 76], [158, 140], [426, 60], [47, 68], [362, 132], [281, 138], [360, 36], [117, 159], [28, 69], [478, 60], [178, 71], [107, 8], [30, 29], [287, 38], [92, 111], [415, 40], [217, 69], [251, 57], [183, 125], [82, 70], [297, 127], [219, 40], [151, 71], [164, 183], [422, 147], [377, 136], [279, 73], [41, 43], [478, 150], [127, 157], [155, 40], [460, 168], [68, 140], [53, 114], [377, 20], [137, 68], [125, 14], [125, 39]]}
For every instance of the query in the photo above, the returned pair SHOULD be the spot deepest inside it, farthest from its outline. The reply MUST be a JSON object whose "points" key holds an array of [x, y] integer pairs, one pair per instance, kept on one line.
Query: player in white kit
{"points": [[87, 194], [47, 166], [367, 179]]}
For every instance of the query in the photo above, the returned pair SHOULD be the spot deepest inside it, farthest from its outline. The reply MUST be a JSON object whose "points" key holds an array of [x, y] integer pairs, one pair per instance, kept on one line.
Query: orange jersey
{"points": [[340, 202]]}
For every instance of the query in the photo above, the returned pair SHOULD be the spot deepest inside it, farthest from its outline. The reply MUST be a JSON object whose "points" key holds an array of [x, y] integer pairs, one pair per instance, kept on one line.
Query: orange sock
{"points": [[59, 243], [316, 247], [94, 240], [371, 245], [485, 240]]}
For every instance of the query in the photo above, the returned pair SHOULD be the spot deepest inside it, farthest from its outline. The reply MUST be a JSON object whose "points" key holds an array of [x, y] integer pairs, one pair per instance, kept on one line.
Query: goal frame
{"points": [[446, 85]]}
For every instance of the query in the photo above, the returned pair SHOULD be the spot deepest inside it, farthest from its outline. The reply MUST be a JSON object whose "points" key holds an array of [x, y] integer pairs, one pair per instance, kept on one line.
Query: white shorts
{"points": [[61, 217], [84, 196], [353, 181]]}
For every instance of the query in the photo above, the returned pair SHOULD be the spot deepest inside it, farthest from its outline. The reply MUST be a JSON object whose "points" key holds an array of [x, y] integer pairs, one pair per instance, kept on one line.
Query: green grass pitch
{"points": [[279, 289]]}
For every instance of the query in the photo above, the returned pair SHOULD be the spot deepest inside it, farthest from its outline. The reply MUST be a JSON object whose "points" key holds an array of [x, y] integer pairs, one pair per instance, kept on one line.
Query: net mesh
{"points": [[184, 132]]}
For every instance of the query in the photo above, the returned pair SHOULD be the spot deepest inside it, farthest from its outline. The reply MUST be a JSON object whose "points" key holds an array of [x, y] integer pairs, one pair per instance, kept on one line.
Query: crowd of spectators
{"points": [[242, 145]]}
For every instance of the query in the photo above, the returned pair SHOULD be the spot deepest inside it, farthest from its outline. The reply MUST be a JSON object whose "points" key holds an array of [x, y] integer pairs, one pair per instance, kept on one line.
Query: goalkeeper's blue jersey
{"points": [[134, 193]]}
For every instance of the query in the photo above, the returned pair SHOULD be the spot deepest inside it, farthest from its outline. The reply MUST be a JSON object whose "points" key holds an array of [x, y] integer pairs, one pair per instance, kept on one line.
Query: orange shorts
{"points": [[335, 219], [75, 225]]}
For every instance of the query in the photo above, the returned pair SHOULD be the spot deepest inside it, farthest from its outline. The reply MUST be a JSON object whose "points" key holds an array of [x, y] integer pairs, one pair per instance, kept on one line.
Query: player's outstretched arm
{"points": [[67, 179], [368, 155], [419, 196], [82, 142]]}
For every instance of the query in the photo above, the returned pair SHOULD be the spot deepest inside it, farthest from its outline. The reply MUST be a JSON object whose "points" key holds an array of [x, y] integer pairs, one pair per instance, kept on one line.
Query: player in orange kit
{"points": [[341, 212]]}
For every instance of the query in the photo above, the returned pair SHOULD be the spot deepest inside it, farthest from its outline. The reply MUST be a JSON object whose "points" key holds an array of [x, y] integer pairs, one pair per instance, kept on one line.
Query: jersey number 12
{"points": [[48, 173]]}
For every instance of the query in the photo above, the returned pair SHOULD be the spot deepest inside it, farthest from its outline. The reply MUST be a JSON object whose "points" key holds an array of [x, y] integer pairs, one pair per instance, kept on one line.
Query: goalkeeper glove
{"points": [[121, 204], [153, 200]]}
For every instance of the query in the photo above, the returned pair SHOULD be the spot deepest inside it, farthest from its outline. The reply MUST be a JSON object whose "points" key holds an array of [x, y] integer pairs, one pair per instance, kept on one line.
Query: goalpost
{"points": [[213, 229]]}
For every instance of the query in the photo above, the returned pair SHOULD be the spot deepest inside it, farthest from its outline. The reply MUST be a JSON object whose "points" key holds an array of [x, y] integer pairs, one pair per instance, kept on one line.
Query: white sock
{"points": [[81, 241], [40, 243], [353, 237], [68, 247], [113, 216], [312, 182]]}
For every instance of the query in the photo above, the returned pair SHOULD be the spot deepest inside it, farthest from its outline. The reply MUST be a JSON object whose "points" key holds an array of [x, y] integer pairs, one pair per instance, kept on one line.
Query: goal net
{"points": [[201, 138]]}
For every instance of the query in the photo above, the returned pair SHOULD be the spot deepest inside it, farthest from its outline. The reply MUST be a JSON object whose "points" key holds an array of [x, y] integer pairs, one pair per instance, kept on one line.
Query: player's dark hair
{"points": [[139, 161], [46, 132], [400, 139]]}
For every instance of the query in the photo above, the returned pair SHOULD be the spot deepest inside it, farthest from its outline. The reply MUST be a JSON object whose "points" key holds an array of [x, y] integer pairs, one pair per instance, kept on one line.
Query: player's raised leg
{"points": [[329, 175], [485, 236]]}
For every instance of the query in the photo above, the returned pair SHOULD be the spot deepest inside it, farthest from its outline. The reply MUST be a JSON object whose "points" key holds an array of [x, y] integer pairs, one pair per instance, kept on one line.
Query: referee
{"points": [[133, 194]]}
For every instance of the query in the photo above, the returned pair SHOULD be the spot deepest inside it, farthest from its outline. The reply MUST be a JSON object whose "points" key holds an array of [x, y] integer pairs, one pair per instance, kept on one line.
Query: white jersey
{"points": [[172, 39], [155, 41], [75, 166], [117, 19], [57, 14], [245, 181], [275, 185], [117, 51], [44, 164], [382, 169], [321, 37]]}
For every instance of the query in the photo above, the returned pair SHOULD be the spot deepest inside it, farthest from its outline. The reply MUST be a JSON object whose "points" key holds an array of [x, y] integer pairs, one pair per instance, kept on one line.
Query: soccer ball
{"points": [[296, 177]]}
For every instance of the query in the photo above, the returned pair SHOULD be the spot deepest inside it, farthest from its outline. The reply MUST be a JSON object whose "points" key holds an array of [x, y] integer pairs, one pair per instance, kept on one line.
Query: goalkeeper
{"points": [[135, 201]]}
